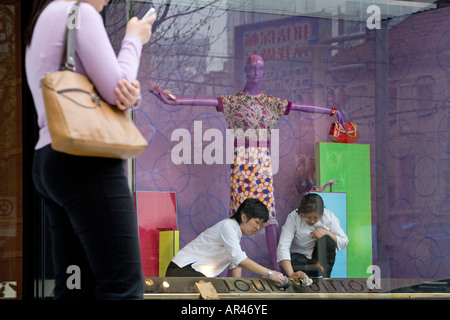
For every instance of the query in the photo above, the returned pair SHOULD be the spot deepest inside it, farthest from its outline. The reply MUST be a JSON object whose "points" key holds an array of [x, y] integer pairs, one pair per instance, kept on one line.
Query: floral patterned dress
{"points": [[251, 120]]}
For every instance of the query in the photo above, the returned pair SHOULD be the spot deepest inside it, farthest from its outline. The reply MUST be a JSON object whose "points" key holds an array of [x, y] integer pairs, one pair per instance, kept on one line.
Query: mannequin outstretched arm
{"points": [[317, 109], [170, 99]]}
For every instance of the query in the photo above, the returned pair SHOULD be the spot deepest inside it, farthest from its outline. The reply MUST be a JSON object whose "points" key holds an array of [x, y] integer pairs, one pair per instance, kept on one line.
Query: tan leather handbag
{"points": [[80, 122]]}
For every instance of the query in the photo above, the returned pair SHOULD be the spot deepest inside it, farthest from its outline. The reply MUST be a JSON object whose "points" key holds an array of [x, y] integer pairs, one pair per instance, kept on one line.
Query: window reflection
{"points": [[393, 82]]}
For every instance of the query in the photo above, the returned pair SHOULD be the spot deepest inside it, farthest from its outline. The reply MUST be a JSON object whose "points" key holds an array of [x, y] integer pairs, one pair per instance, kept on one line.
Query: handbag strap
{"points": [[351, 133], [67, 61]]}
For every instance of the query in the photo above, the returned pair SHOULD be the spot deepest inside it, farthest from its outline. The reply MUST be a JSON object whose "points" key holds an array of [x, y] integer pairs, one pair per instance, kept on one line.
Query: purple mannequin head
{"points": [[254, 71]]}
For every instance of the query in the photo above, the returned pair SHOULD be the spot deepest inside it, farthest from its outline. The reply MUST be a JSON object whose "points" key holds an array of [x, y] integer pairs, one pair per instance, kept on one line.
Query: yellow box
{"points": [[168, 247]]}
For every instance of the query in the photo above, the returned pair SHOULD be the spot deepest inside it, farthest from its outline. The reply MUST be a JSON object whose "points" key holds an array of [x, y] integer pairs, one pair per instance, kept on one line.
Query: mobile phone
{"points": [[149, 13]]}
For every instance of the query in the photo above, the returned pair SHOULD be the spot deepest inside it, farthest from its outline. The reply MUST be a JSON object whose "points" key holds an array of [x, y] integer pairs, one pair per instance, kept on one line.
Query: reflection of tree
{"points": [[182, 36]]}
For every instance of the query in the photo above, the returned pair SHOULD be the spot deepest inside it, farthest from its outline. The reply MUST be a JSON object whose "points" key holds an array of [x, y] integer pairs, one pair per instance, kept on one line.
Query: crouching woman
{"points": [[219, 247], [309, 240]]}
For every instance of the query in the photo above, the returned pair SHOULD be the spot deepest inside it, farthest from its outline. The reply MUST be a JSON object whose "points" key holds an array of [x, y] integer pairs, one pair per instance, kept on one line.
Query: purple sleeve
{"points": [[219, 108], [97, 57], [288, 108]]}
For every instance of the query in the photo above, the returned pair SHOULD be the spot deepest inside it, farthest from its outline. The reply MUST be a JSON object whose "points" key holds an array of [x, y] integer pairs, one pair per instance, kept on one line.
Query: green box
{"points": [[350, 165]]}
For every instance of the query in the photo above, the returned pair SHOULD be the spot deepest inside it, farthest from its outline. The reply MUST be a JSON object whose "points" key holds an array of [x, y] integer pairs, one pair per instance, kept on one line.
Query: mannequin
{"points": [[251, 109]]}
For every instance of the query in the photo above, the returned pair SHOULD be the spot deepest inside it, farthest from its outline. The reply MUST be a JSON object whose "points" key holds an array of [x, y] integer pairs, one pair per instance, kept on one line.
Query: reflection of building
{"points": [[215, 82], [401, 91], [409, 135], [184, 63], [392, 82]]}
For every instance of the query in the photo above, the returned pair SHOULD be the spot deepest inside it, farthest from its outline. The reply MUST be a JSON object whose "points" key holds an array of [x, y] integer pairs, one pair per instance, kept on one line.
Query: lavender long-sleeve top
{"points": [[95, 56]]}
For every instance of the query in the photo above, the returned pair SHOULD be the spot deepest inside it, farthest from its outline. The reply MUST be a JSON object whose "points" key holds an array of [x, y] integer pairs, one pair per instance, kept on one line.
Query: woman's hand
{"points": [[128, 94], [161, 94], [299, 274], [277, 276], [141, 28], [319, 233]]}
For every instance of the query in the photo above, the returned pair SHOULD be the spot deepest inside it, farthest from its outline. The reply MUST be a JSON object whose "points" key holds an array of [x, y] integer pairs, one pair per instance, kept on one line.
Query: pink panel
{"points": [[156, 211]]}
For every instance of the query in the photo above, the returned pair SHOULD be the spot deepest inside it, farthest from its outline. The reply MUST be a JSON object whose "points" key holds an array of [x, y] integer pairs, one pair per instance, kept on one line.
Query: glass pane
{"points": [[390, 77], [383, 65]]}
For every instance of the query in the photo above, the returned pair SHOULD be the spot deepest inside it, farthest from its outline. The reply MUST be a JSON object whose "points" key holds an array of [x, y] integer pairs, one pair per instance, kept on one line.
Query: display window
{"points": [[384, 67], [282, 102]]}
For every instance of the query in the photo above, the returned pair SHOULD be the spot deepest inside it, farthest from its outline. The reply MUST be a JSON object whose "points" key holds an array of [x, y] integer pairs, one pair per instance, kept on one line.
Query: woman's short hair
{"points": [[311, 202], [253, 208]]}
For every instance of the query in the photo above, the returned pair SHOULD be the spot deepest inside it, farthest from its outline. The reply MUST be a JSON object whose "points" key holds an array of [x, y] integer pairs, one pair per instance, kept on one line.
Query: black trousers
{"points": [[173, 270], [321, 262], [92, 223]]}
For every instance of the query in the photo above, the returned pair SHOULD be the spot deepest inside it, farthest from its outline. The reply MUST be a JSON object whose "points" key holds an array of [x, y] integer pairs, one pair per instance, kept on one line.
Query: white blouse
{"points": [[214, 249], [295, 235]]}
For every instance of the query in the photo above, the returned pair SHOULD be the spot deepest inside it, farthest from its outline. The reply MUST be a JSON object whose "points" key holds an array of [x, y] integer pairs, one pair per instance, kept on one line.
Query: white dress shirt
{"points": [[214, 249], [295, 235]]}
